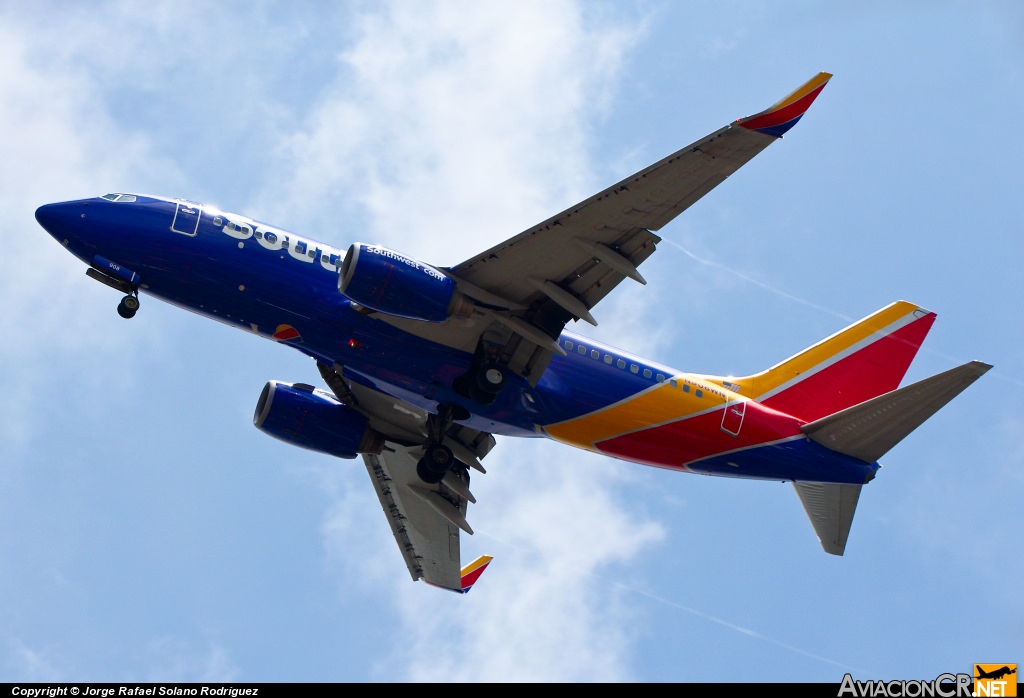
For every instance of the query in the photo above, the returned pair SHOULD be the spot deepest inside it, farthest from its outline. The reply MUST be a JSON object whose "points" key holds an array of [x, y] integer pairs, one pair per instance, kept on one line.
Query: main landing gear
{"points": [[482, 383], [128, 306], [437, 458]]}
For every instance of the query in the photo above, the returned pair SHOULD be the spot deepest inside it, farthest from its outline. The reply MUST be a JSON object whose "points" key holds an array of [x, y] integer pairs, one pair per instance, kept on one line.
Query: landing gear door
{"points": [[732, 418], [186, 217]]}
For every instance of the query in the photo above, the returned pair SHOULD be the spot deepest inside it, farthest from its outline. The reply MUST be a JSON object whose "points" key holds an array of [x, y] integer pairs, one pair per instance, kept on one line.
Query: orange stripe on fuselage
{"points": [[658, 405]]}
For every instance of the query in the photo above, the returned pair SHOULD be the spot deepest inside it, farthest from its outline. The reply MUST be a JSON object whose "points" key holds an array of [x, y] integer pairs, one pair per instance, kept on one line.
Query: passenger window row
{"points": [[619, 363]]}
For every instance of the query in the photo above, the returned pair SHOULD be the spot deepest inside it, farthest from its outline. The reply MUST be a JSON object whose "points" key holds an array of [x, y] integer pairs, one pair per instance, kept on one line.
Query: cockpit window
{"points": [[120, 198]]}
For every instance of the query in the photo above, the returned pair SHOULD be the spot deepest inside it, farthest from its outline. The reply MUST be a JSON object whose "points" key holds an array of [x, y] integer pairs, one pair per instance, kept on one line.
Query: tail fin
{"points": [[865, 360], [867, 431], [472, 572]]}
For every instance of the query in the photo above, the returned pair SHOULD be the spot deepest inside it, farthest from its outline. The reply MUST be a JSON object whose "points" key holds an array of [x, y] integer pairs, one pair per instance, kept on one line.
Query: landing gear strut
{"points": [[128, 306], [437, 458]]}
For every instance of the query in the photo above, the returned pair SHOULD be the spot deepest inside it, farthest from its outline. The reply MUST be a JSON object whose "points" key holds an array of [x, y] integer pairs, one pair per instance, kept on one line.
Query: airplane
{"points": [[996, 673], [426, 364]]}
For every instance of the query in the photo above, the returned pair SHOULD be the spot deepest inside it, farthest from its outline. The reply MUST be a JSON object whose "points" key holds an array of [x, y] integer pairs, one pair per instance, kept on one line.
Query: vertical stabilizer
{"points": [[867, 359]]}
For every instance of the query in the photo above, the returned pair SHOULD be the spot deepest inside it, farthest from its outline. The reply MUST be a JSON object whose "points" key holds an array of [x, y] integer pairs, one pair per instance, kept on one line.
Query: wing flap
{"points": [[622, 217], [428, 541]]}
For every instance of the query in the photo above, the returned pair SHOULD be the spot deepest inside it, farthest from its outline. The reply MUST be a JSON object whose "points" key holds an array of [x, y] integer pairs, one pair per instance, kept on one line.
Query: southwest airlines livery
{"points": [[426, 364]]}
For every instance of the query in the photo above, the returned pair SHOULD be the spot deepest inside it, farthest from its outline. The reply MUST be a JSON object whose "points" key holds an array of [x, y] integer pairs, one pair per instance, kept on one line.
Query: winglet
{"points": [[472, 572], [783, 115]]}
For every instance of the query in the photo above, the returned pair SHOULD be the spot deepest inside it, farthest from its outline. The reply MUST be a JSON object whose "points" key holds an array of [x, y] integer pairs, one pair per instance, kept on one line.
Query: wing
{"points": [[428, 540], [531, 285], [425, 519]]}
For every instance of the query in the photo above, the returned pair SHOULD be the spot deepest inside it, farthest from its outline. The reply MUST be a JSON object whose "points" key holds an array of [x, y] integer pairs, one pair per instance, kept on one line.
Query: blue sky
{"points": [[148, 532]]}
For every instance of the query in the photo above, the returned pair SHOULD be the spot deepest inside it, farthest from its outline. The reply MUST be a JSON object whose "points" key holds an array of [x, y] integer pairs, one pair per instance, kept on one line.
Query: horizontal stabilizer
{"points": [[830, 508], [867, 431]]}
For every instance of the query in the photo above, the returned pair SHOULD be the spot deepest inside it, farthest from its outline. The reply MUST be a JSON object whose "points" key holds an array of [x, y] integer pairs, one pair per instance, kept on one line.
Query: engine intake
{"points": [[389, 282], [300, 415]]}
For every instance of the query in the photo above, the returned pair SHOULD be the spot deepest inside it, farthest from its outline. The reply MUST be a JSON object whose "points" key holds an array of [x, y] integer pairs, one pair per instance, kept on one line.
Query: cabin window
{"points": [[620, 363], [595, 354], [673, 383], [581, 349], [568, 344], [660, 377], [633, 368], [686, 388], [220, 221], [608, 359], [699, 393], [647, 373]]}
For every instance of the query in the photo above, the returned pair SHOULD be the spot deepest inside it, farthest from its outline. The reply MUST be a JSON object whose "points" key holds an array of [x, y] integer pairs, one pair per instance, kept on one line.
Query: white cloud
{"points": [[57, 142], [453, 126], [542, 613], [27, 664], [173, 659]]}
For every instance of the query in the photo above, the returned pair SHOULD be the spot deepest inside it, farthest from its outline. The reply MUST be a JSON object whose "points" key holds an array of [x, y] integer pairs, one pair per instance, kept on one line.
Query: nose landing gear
{"points": [[128, 306]]}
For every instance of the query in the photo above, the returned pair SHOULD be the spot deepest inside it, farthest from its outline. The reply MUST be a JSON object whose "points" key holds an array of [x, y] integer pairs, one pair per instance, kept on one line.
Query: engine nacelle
{"points": [[389, 282], [303, 416]]}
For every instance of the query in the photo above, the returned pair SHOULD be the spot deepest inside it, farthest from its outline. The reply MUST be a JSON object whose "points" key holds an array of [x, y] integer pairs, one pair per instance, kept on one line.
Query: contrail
{"points": [[809, 304], [737, 628], [767, 287], [700, 614]]}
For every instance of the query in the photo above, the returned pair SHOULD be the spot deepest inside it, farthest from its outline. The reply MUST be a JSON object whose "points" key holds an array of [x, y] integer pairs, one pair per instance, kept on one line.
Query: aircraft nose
{"points": [[56, 219]]}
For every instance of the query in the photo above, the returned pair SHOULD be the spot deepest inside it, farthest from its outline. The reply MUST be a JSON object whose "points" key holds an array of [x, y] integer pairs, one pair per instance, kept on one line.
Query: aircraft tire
{"points": [[490, 379], [435, 463], [128, 306]]}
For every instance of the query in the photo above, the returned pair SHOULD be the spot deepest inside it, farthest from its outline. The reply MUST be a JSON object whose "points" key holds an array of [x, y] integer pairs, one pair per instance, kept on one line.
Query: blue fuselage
{"points": [[281, 286], [261, 278]]}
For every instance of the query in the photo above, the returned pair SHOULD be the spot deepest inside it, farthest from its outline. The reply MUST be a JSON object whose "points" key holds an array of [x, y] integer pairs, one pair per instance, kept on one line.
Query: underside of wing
{"points": [[424, 518], [428, 540], [621, 218], [528, 287]]}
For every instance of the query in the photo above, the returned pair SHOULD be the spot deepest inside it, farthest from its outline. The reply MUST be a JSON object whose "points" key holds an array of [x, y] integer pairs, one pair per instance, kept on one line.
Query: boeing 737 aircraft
{"points": [[425, 364]]}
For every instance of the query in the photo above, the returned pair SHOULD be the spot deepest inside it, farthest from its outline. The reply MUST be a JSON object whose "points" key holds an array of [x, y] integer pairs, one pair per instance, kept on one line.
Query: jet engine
{"points": [[389, 282], [303, 416]]}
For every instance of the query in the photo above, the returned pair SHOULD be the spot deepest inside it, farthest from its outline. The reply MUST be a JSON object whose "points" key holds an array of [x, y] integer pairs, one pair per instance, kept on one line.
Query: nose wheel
{"points": [[128, 306]]}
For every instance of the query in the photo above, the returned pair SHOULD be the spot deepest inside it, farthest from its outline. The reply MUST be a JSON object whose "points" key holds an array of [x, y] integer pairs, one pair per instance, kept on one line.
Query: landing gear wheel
{"points": [[437, 460], [489, 379], [128, 306]]}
